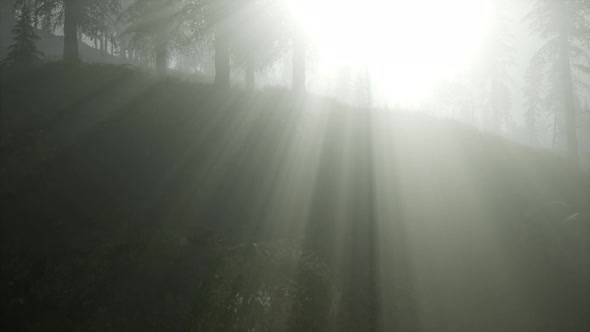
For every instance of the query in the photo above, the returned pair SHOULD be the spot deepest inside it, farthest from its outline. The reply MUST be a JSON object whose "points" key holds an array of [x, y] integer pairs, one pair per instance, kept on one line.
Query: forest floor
{"points": [[120, 193]]}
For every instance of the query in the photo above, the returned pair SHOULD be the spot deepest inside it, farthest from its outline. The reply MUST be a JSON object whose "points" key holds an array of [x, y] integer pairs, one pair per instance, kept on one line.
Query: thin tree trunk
{"points": [[555, 131], [161, 53], [103, 46], [531, 127], [221, 59], [368, 86], [299, 54], [71, 55], [250, 73], [568, 101]]}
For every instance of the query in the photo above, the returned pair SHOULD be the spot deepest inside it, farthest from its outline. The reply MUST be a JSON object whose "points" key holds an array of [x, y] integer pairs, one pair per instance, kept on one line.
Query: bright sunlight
{"points": [[396, 39]]}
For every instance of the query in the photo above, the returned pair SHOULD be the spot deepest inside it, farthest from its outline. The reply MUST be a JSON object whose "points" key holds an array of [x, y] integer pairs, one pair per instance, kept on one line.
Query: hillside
{"points": [[121, 193]]}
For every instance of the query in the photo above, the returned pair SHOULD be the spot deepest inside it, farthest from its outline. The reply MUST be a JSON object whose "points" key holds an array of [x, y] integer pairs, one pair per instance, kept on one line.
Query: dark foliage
{"points": [[24, 51]]}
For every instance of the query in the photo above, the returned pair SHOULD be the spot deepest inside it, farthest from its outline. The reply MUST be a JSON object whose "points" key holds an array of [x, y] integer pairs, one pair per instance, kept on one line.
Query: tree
{"points": [[564, 25], [212, 20], [219, 16], [498, 58], [87, 16], [150, 23], [71, 54], [255, 38], [7, 22], [24, 51]]}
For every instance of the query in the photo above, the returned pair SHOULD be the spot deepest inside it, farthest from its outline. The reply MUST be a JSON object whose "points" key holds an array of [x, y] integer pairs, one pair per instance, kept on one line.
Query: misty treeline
{"points": [[251, 35], [555, 85], [245, 34]]}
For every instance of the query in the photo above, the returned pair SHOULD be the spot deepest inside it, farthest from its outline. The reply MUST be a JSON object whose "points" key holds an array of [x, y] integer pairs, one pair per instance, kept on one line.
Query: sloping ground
{"points": [[143, 186]]}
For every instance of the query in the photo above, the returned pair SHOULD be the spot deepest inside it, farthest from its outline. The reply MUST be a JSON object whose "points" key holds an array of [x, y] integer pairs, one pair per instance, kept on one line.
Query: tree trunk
{"points": [[161, 53], [568, 100], [71, 55], [221, 59], [250, 73], [368, 102], [555, 130], [530, 122], [103, 43], [299, 54]]}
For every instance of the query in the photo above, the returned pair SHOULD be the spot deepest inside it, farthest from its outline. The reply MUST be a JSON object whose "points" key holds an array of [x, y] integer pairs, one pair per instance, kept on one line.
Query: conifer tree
{"points": [[24, 51], [565, 27]]}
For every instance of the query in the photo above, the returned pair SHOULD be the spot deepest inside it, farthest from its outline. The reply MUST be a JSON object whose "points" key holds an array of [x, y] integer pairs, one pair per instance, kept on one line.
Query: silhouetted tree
{"points": [[498, 55], [565, 27], [75, 16], [219, 19], [24, 51], [150, 23], [71, 53], [257, 30], [7, 21]]}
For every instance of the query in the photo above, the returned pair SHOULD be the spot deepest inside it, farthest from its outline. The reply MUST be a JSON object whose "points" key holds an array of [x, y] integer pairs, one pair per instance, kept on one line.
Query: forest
{"points": [[295, 165]]}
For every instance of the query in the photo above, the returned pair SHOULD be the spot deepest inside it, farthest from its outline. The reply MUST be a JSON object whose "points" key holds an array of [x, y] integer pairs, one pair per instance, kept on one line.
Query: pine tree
{"points": [[565, 26], [24, 51]]}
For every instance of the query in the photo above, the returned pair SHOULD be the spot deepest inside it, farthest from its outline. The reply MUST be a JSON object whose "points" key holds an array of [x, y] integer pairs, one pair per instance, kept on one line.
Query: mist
{"points": [[295, 165]]}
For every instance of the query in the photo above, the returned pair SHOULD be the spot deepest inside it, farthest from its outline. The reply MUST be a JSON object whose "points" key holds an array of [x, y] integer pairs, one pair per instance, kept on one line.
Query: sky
{"points": [[410, 46]]}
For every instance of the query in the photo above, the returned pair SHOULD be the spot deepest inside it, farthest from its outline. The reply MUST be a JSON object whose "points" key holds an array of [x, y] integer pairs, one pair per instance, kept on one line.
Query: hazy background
{"points": [[426, 55]]}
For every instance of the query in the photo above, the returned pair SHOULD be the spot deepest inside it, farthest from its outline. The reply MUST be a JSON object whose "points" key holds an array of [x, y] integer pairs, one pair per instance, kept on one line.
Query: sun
{"points": [[407, 44]]}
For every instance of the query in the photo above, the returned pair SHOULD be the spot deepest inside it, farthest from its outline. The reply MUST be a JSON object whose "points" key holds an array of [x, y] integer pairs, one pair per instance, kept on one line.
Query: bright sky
{"points": [[408, 45]]}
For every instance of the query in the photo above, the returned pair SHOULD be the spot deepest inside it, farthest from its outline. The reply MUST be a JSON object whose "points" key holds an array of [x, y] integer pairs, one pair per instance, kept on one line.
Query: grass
{"points": [[122, 193]]}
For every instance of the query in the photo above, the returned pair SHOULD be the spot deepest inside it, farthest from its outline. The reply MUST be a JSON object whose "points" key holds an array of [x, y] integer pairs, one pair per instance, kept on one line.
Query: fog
{"points": [[295, 165]]}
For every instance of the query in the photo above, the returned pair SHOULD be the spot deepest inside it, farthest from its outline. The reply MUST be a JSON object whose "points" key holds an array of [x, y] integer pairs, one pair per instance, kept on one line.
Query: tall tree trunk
{"points": [[161, 53], [368, 86], [299, 54], [221, 59], [250, 73], [555, 130], [568, 99], [530, 122], [71, 54], [103, 46]]}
